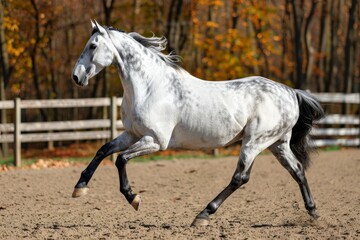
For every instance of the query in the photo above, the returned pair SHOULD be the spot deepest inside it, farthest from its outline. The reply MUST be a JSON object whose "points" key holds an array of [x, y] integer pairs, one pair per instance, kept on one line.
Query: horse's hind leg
{"points": [[116, 145], [240, 177], [283, 153]]}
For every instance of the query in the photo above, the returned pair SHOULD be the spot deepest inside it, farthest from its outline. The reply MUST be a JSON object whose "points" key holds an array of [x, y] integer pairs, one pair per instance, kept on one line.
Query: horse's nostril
{"points": [[75, 78]]}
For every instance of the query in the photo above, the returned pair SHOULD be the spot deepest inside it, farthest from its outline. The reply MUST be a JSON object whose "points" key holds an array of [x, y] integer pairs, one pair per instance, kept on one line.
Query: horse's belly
{"points": [[187, 138]]}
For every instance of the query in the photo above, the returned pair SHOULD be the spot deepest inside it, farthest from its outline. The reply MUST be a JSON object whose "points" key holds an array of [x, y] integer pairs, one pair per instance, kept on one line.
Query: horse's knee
{"points": [[238, 180], [120, 161], [106, 149]]}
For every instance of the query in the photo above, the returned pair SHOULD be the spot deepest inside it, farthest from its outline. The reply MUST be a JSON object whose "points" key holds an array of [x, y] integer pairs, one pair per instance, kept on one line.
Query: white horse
{"points": [[165, 107]]}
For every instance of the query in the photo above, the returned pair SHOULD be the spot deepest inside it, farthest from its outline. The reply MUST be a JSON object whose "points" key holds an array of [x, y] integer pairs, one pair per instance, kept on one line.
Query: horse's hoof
{"points": [[314, 214], [136, 202], [78, 192], [200, 222]]}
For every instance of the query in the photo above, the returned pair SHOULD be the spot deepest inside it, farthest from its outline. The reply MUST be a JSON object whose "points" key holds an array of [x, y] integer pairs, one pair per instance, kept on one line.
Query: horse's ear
{"points": [[98, 27], [93, 26]]}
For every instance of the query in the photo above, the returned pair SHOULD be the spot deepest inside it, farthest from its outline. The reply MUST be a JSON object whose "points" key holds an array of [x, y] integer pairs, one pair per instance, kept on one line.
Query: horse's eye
{"points": [[92, 46]]}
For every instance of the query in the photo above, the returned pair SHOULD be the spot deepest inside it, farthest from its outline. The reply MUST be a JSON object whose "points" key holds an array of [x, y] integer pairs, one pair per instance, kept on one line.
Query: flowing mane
{"points": [[155, 44]]}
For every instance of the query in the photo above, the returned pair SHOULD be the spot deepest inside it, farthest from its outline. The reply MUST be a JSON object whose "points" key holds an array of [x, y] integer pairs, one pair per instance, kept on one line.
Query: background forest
{"points": [[312, 44]]}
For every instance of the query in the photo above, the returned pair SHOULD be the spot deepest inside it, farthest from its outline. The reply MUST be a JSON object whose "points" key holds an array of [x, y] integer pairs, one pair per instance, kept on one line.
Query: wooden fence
{"points": [[338, 129], [345, 128], [19, 132]]}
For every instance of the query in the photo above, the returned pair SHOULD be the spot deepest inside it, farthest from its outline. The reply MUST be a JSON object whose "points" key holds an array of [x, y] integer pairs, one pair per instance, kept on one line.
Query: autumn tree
{"points": [[5, 70], [297, 42]]}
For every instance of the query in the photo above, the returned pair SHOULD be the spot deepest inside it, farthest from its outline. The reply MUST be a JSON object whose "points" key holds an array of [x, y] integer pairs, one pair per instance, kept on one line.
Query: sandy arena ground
{"points": [[37, 204]]}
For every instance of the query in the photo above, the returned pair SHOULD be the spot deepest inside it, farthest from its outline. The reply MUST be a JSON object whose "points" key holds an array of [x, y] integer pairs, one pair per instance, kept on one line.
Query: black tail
{"points": [[310, 110]]}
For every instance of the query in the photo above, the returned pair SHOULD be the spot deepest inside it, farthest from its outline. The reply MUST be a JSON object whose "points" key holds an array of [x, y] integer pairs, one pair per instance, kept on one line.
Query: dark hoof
{"points": [[78, 192], [136, 202], [200, 222], [313, 214]]}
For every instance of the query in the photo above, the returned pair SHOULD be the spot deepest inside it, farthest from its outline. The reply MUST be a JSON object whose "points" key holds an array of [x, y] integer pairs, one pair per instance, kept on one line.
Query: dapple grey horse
{"points": [[164, 107]]}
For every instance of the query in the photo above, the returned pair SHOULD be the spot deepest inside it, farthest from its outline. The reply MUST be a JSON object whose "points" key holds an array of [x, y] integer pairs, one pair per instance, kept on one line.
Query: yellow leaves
{"points": [[211, 24], [195, 20], [276, 38], [219, 37], [16, 51], [217, 3], [11, 24], [13, 44], [15, 89], [232, 33], [32, 41]]}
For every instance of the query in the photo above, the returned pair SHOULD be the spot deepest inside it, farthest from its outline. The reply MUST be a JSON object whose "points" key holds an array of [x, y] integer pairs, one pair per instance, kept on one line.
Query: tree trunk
{"points": [[332, 69], [177, 25], [136, 10], [234, 15], [173, 25], [348, 47], [348, 54], [108, 6], [5, 73], [298, 19], [258, 30], [285, 27], [356, 60], [250, 31], [33, 57], [321, 48], [309, 48]]}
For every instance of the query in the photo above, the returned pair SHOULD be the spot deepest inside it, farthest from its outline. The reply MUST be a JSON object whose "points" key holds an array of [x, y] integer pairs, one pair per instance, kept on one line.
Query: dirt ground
{"points": [[37, 204]]}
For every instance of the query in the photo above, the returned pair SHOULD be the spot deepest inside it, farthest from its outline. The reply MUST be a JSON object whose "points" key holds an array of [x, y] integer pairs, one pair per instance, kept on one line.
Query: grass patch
{"points": [[9, 161], [149, 158], [332, 148], [85, 160], [166, 155], [29, 161], [76, 159]]}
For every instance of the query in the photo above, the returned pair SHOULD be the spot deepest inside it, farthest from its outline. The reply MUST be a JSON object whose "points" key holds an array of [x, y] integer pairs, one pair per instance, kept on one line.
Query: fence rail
{"points": [[55, 126], [19, 132], [346, 128]]}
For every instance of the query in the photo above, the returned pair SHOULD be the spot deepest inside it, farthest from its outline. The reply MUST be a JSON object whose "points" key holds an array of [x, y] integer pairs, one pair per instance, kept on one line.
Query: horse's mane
{"points": [[156, 45]]}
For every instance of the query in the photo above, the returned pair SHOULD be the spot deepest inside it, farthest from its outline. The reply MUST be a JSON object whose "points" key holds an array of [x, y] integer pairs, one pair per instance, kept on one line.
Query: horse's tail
{"points": [[310, 110]]}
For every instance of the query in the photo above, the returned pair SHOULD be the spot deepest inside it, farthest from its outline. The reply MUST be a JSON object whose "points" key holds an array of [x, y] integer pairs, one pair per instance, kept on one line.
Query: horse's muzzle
{"points": [[80, 76], [75, 78]]}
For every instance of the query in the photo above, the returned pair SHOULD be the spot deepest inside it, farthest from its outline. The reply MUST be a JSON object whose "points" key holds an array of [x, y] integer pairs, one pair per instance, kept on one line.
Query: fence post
{"points": [[17, 132], [113, 119]]}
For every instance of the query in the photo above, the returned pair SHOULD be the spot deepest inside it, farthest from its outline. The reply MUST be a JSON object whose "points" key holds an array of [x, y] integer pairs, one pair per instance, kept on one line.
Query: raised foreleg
{"points": [[145, 145], [118, 144]]}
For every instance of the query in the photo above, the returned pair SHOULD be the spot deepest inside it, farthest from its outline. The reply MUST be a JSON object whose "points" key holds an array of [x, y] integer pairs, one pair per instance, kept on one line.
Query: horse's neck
{"points": [[138, 71]]}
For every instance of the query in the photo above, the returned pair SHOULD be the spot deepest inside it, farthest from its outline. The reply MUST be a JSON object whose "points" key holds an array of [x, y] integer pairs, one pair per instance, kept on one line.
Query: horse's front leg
{"points": [[145, 145], [118, 144]]}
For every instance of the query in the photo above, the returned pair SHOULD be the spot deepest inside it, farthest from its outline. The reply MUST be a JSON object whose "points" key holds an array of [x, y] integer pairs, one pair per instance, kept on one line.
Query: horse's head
{"points": [[97, 54]]}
